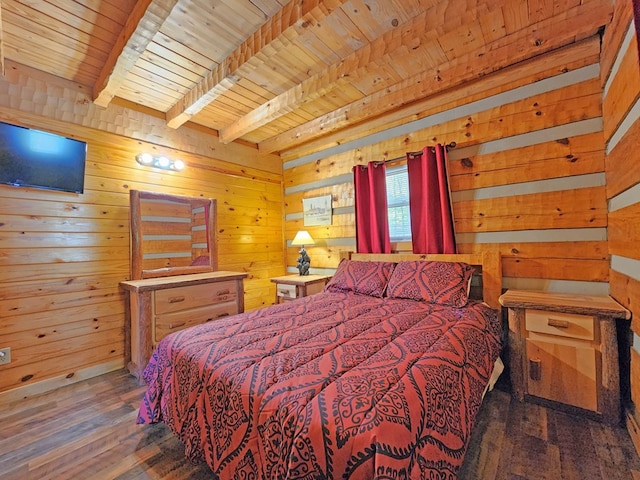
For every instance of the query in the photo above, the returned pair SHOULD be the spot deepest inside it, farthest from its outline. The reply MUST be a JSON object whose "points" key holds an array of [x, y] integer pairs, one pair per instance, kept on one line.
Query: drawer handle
{"points": [[554, 322], [535, 369], [176, 325], [219, 316], [224, 292], [176, 299], [285, 293]]}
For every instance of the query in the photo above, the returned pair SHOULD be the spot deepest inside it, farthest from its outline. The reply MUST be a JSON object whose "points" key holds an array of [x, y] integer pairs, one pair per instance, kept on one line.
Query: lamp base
{"points": [[303, 262]]}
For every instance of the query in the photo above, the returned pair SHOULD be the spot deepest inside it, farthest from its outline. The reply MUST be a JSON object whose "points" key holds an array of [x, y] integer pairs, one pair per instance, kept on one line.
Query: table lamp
{"points": [[303, 238]]}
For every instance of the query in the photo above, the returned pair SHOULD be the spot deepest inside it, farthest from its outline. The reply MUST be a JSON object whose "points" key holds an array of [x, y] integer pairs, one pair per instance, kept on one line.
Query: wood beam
{"points": [[328, 79], [576, 24], [276, 33], [143, 23], [420, 30]]}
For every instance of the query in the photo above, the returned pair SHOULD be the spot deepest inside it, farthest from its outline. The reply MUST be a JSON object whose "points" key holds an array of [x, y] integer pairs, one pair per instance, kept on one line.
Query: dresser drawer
{"points": [[175, 321], [562, 324], [193, 296], [286, 291]]}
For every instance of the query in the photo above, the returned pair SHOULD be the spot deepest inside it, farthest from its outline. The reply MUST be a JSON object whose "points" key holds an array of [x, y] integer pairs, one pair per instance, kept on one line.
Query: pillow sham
{"points": [[442, 283], [366, 278]]}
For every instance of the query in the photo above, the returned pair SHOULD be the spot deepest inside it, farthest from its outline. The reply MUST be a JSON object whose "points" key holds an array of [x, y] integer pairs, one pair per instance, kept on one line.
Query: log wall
{"points": [[63, 255], [620, 78], [527, 174]]}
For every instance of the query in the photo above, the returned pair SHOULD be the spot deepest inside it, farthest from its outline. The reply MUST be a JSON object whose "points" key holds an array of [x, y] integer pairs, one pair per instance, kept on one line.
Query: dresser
{"points": [[290, 287], [157, 307], [563, 351]]}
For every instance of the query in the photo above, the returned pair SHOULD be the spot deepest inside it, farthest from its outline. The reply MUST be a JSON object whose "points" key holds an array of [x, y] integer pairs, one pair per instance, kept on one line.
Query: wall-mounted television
{"points": [[33, 158]]}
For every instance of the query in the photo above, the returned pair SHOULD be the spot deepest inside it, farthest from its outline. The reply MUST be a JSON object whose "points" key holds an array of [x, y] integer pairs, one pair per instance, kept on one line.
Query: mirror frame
{"points": [[137, 224]]}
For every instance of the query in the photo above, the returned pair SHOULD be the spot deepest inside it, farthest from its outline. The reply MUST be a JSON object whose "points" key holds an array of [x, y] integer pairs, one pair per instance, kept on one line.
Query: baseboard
{"points": [[44, 386], [634, 430]]}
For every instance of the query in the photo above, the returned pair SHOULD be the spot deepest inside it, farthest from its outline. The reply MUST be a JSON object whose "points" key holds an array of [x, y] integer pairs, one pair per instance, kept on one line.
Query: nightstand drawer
{"points": [[173, 322], [286, 291], [561, 324], [184, 298]]}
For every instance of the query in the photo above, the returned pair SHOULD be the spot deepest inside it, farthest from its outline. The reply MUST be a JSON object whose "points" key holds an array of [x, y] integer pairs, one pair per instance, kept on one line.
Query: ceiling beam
{"points": [[422, 30], [576, 24], [419, 30], [280, 27], [142, 24]]}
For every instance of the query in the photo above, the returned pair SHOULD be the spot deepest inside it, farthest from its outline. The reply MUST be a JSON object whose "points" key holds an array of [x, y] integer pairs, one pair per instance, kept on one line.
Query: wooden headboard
{"points": [[488, 267]]}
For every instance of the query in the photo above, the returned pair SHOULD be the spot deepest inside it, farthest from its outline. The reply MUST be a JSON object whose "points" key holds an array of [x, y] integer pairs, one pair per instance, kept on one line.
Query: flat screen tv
{"points": [[33, 158]]}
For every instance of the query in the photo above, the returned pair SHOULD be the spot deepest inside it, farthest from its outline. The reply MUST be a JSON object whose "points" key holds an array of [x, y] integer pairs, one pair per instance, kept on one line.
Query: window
{"points": [[398, 204]]}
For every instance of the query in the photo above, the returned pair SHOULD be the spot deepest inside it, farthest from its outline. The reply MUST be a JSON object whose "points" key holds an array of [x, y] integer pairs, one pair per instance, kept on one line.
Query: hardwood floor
{"points": [[87, 431]]}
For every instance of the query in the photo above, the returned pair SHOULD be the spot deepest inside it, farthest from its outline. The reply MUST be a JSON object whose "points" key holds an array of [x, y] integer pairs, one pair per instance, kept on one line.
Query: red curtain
{"points": [[430, 203], [372, 224]]}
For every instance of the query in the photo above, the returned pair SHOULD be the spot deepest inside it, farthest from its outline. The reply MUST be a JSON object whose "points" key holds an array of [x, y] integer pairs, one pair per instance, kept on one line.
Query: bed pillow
{"points": [[443, 283], [366, 278]]}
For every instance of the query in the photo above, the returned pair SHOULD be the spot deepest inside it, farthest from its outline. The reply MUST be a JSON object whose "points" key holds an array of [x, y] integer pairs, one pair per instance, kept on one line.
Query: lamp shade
{"points": [[302, 238]]}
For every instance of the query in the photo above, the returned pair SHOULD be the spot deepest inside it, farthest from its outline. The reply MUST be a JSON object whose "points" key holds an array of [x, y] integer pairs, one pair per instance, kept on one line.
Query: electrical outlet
{"points": [[5, 355]]}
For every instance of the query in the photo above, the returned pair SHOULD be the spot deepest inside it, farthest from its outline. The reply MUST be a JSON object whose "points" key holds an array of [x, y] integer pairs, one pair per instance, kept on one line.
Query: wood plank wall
{"points": [[62, 255], [620, 78], [527, 175]]}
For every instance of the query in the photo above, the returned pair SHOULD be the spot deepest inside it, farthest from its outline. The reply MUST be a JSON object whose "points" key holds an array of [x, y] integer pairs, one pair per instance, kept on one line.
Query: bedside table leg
{"points": [[516, 352], [609, 395]]}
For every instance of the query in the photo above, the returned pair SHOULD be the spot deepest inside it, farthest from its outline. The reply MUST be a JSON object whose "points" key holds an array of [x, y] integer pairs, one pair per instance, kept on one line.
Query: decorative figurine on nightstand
{"points": [[303, 262], [302, 238]]}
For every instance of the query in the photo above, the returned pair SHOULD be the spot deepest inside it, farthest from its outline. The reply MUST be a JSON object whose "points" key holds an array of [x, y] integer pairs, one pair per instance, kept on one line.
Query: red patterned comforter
{"points": [[335, 385]]}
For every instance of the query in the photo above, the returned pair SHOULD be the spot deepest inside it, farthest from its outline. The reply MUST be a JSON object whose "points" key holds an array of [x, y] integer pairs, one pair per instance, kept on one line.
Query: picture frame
{"points": [[317, 211]]}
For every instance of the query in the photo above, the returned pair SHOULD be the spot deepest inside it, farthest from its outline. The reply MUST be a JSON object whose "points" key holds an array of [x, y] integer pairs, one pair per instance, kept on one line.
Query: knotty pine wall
{"points": [[527, 175], [620, 78], [62, 255]]}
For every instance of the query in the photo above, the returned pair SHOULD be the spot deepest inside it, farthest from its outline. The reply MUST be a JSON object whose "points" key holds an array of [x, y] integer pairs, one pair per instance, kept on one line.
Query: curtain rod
{"points": [[448, 146]]}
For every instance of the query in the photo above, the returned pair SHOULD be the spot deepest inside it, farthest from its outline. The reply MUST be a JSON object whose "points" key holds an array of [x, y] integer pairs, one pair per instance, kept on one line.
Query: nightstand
{"points": [[563, 350], [290, 287]]}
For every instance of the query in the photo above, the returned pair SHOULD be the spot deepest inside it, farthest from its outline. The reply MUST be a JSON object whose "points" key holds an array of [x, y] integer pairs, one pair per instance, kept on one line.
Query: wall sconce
{"points": [[162, 162], [303, 238]]}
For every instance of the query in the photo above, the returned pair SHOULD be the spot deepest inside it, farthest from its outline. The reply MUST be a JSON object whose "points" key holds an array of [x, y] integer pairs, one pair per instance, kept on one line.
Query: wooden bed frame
{"points": [[488, 267]]}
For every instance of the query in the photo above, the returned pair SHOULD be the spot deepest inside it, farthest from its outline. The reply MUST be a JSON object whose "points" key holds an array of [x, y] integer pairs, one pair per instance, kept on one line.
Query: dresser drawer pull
{"points": [[554, 322], [225, 314], [224, 292], [176, 299], [176, 325]]}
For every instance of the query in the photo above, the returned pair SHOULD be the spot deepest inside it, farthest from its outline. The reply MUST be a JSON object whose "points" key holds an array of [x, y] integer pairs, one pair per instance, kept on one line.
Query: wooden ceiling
{"points": [[279, 73]]}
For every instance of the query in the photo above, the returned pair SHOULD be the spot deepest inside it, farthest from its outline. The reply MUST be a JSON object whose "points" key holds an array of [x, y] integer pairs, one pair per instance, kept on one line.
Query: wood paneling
{"points": [[621, 78], [559, 158], [624, 231], [622, 164], [622, 91], [63, 255], [564, 209]]}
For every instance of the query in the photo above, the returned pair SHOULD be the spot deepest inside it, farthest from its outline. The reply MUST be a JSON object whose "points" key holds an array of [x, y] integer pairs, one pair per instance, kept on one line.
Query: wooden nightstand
{"points": [[563, 350], [290, 287]]}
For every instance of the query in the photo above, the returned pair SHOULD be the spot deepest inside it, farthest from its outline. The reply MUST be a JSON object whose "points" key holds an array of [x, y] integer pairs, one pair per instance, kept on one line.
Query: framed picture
{"points": [[317, 210]]}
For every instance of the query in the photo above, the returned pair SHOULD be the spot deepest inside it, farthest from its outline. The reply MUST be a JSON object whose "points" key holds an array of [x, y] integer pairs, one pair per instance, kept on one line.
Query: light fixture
{"points": [[161, 161], [303, 238]]}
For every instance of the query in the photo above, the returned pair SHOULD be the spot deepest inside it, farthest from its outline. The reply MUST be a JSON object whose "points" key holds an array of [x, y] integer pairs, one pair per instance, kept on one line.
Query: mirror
{"points": [[171, 235]]}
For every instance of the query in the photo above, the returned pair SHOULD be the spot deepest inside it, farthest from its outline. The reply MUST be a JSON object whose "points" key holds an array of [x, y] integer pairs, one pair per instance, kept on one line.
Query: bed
{"points": [[379, 376]]}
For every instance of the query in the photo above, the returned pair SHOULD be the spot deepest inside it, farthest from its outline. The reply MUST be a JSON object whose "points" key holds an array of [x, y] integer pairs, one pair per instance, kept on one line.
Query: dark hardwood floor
{"points": [[88, 431]]}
